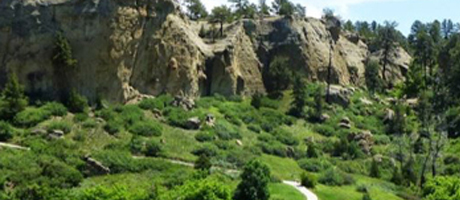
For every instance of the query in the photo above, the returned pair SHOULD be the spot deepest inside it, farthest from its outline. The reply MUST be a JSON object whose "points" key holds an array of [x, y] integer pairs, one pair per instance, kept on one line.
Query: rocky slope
{"points": [[128, 48]]}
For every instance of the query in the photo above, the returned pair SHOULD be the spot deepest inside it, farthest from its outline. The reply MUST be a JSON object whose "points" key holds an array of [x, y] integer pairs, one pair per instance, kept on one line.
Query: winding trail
{"points": [[309, 195], [13, 146]]}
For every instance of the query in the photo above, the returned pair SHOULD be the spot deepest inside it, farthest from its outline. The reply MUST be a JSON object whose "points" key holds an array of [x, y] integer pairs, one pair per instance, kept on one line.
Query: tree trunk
{"points": [[221, 29], [329, 74], [424, 166]]}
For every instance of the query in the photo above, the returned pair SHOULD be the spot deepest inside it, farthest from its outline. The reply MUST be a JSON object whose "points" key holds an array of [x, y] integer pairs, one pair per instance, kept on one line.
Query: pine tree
{"points": [[203, 163], [254, 182], [375, 171], [13, 99], [299, 93]]}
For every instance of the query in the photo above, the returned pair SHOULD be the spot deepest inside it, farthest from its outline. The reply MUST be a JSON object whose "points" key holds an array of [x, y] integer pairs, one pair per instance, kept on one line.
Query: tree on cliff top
{"points": [[221, 14], [196, 9]]}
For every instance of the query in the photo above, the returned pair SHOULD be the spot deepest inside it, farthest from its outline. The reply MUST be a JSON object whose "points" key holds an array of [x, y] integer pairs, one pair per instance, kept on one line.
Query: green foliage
{"points": [[318, 103], [314, 164], [278, 76], [335, 177], [397, 177], [283, 7], [285, 137], [77, 103], [80, 117], [256, 100], [254, 182], [116, 192], [12, 100], [375, 170], [366, 196], [113, 126], [299, 92], [373, 81], [31, 116], [325, 130], [153, 148], [312, 151], [178, 117], [55, 109], [203, 163], [146, 128], [196, 9], [442, 188], [346, 149], [308, 180], [226, 131], [64, 126], [6, 131], [209, 189], [130, 114], [158, 103], [207, 149], [205, 136], [221, 14]]}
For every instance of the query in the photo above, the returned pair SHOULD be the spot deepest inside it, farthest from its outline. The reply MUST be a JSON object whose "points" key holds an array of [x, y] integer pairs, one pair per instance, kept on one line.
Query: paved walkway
{"points": [[13, 146], [307, 193]]}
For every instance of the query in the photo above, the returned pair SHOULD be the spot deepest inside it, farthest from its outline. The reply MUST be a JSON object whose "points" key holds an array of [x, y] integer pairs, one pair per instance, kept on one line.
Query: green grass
{"points": [[282, 168], [280, 191]]}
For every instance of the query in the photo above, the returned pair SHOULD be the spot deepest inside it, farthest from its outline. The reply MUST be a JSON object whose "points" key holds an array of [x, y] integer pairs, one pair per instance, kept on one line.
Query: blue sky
{"points": [[405, 12]]}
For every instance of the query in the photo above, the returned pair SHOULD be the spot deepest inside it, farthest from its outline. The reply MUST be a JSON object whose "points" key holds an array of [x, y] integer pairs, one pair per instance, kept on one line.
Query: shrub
{"points": [[314, 164], [200, 189], [254, 182], [55, 109], [308, 180], [269, 103], [367, 196], [177, 117], [226, 131], [325, 130], [274, 148], [153, 148], [59, 173], [382, 139], [256, 100], [375, 170], [205, 136], [235, 98], [254, 128], [89, 123], [285, 137], [130, 114], [113, 126], [208, 149], [6, 131], [203, 163], [137, 145], [146, 128], [31, 117], [64, 126], [362, 188], [13, 99], [107, 114], [80, 117], [335, 177], [77, 103], [159, 102]]}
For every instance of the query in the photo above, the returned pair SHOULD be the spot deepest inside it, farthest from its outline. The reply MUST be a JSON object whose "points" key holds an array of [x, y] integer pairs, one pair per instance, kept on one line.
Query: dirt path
{"points": [[307, 193], [13, 146]]}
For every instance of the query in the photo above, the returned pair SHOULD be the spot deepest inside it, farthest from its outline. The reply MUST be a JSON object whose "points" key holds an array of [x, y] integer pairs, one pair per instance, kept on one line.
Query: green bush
{"points": [[308, 180], [205, 136], [285, 137], [255, 128], [119, 192], [107, 114], [208, 149], [442, 188], [200, 189], [274, 148], [12, 100], [159, 102], [80, 117], [152, 148], [178, 117], [113, 126], [6, 131], [55, 109], [269, 103], [314, 164], [59, 173], [64, 126], [31, 117], [89, 123], [77, 103], [137, 145], [226, 131], [146, 128], [335, 177], [325, 130], [382, 139], [203, 163], [131, 114], [254, 182]]}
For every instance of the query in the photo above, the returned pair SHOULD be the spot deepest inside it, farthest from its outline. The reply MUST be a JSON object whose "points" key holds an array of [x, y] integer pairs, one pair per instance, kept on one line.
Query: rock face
{"points": [[126, 49]]}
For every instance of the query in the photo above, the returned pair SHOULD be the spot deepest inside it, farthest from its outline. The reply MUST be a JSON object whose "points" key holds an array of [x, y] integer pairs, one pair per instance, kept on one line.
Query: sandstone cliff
{"points": [[126, 48]]}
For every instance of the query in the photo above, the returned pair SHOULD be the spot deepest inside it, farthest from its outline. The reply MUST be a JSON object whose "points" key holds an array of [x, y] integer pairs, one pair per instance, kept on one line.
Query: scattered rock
{"points": [[378, 158], [365, 140], [56, 134], [365, 101], [412, 102], [389, 115], [339, 95], [38, 131], [157, 113], [346, 126], [239, 143], [193, 123], [324, 117], [163, 141], [210, 120], [100, 120], [290, 152], [95, 166], [183, 102]]}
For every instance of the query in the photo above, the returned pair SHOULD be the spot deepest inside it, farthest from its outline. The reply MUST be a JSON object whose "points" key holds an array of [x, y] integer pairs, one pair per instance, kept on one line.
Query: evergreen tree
{"points": [[13, 99], [375, 171], [256, 100], [63, 66], [263, 8], [283, 7], [77, 103], [397, 177], [221, 15], [349, 26], [254, 182], [278, 76], [387, 38], [196, 9], [299, 93], [408, 172], [373, 80], [203, 163], [312, 151]]}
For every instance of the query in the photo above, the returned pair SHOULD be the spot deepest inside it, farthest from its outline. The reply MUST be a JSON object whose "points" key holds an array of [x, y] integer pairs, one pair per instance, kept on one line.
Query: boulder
{"points": [[193, 123], [210, 120], [412, 102], [339, 95], [56, 134], [39, 131], [344, 125], [365, 140], [183, 102], [389, 115], [96, 167], [365, 101], [324, 117], [239, 143]]}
